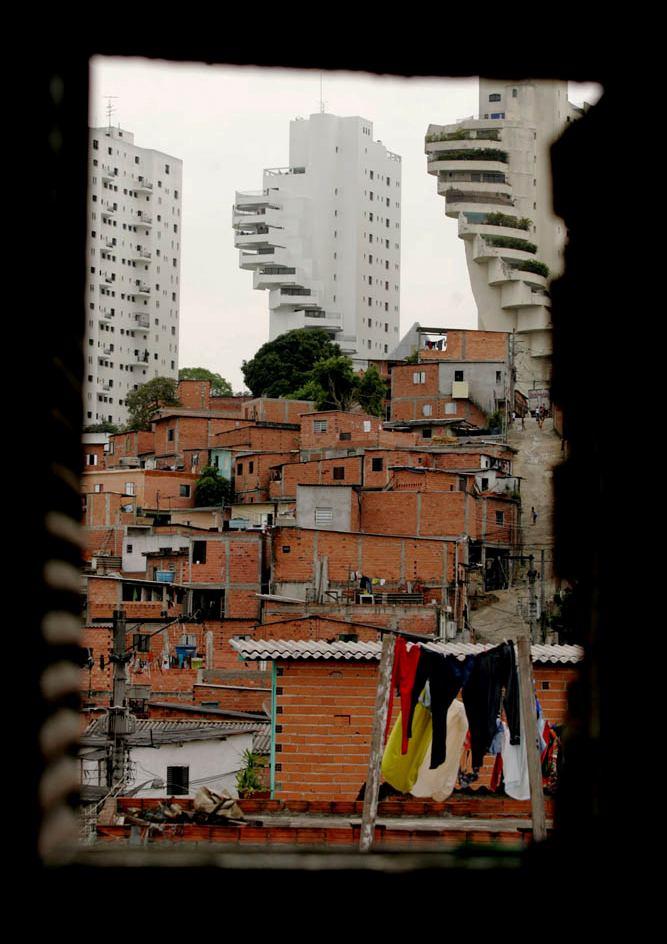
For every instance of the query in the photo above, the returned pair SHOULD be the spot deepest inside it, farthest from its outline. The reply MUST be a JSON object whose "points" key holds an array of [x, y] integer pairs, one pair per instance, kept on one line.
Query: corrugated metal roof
{"points": [[159, 731], [261, 743], [316, 649]]}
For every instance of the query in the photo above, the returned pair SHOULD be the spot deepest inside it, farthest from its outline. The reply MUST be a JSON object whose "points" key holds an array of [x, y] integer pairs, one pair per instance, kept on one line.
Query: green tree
{"points": [[212, 488], [219, 386], [333, 385], [371, 392], [105, 427], [145, 402], [283, 366]]}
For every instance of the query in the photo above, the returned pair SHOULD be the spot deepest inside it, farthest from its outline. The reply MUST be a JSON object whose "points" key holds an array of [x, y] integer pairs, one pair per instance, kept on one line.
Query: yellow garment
{"points": [[401, 770], [440, 783]]}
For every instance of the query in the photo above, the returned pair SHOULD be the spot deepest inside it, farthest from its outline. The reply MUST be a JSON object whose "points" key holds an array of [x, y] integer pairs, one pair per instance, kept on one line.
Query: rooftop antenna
{"points": [[322, 102], [110, 107]]}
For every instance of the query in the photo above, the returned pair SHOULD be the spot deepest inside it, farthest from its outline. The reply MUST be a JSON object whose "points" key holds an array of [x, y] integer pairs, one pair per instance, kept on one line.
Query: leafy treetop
{"points": [[219, 386], [147, 400], [283, 366]]}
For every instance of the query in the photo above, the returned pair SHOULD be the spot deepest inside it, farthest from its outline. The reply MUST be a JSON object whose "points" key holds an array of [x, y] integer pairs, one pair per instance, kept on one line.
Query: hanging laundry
{"points": [[439, 783], [402, 678], [498, 739], [515, 758], [446, 676], [399, 769], [493, 671]]}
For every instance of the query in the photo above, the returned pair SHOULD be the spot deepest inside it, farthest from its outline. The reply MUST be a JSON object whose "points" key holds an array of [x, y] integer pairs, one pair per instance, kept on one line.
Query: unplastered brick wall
{"points": [[194, 394], [134, 444], [233, 563], [236, 697], [395, 559], [467, 458], [427, 514], [412, 380], [470, 345], [412, 619], [269, 410], [324, 716], [430, 480], [348, 471], [255, 438], [252, 473], [437, 407], [378, 464]]}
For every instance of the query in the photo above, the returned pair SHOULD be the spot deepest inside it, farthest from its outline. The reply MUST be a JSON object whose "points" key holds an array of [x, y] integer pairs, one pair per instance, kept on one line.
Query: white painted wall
{"points": [[214, 762], [142, 542], [120, 262]]}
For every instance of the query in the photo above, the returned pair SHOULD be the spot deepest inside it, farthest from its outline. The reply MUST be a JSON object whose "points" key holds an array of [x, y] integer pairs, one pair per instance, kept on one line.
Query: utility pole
{"points": [[542, 612], [532, 598], [119, 715]]}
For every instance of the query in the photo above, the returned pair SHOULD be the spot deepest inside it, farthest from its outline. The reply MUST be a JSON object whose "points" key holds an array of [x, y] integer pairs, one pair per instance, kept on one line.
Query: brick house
{"points": [[324, 702]]}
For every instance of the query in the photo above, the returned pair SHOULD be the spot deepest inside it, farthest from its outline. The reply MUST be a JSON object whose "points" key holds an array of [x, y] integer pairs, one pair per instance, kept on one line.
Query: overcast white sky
{"points": [[227, 124]]}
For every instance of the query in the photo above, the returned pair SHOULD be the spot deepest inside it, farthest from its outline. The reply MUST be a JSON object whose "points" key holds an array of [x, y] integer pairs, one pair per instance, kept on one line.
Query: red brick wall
{"points": [[130, 444], [324, 721], [412, 409], [389, 458], [316, 472], [403, 385], [194, 394], [376, 556], [256, 484], [426, 514], [471, 345], [269, 410], [428, 481], [257, 439]]}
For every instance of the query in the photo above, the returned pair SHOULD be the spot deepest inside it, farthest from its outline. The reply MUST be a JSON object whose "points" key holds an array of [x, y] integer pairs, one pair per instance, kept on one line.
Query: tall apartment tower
{"points": [[495, 175], [134, 253], [323, 236]]}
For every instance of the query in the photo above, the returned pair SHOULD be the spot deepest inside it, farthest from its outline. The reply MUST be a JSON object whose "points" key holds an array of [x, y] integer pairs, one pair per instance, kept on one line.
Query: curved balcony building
{"points": [[322, 236], [494, 174]]}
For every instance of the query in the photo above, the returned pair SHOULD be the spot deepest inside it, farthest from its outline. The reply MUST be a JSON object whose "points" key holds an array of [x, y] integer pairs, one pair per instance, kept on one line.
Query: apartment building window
{"points": [[338, 473], [370, 302], [323, 515], [96, 145], [184, 491], [370, 195], [419, 377], [320, 426], [199, 552]]}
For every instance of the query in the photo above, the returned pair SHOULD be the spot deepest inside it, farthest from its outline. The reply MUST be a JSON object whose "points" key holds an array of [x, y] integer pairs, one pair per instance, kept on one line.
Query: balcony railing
{"points": [[142, 289], [142, 321], [281, 171], [144, 220]]}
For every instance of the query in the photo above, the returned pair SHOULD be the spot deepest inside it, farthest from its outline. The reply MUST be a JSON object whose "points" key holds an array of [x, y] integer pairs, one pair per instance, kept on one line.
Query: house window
{"points": [[377, 465], [495, 97], [239, 468], [128, 548], [499, 376], [251, 467], [141, 642], [97, 488], [338, 472], [199, 552], [170, 435], [91, 459], [485, 485], [427, 409], [320, 426], [345, 436], [419, 377], [427, 433], [178, 781], [184, 491], [450, 409], [323, 515], [367, 426], [129, 488], [458, 375], [500, 517]]}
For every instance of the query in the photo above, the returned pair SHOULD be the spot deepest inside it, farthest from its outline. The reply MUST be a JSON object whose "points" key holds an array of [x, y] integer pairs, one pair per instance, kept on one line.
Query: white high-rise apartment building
{"points": [[324, 236], [495, 175], [134, 253]]}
